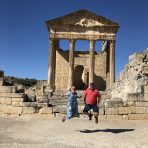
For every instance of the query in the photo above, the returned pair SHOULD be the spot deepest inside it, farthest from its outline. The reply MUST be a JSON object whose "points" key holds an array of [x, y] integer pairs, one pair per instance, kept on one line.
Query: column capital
{"points": [[51, 40], [112, 41], [72, 40], [93, 41]]}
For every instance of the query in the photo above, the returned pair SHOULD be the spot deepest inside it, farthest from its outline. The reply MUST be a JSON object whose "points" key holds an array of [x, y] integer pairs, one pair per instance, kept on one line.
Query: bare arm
{"points": [[63, 95]]}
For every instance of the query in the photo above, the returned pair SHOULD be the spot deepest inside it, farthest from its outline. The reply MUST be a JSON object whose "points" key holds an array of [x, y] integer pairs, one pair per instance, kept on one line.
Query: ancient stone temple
{"points": [[67, 68]]}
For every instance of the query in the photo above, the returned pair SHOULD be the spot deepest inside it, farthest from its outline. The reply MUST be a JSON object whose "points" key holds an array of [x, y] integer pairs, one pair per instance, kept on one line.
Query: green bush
{"points": [[26, 82]]}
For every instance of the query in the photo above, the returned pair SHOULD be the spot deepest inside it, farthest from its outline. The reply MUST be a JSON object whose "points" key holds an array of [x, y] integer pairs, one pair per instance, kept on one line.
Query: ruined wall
{"points": [[13, 102], [133, 79], [81, 72], [129, 95]]}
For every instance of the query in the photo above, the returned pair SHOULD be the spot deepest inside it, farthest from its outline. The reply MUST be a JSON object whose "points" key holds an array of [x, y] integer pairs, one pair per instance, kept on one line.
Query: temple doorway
{"points": [[78, 77]]}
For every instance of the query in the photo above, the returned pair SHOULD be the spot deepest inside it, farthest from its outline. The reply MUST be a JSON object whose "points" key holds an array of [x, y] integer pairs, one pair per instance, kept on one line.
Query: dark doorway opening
{"points": [[78, 81]]}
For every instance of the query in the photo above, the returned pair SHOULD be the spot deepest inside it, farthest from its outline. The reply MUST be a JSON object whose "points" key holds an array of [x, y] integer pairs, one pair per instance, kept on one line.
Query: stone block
{"points": [[133, 109], [101, 111], [141, 110], [42, 104], [1, 81], [34, 104], [12, 95], [146, 89], [11, 110], [21, 104], [129, 103], [145, 71], [124, 110], [18, 99], [138, 116], [112, 111], [114, 117], [7, 101], [114, 103], [31, 97], [28, 110], [24, 104], [141, 104], [145, 97], [134, 97], [45, 110], [2, 107], [125, 117], [7, 89], [15, 110]]}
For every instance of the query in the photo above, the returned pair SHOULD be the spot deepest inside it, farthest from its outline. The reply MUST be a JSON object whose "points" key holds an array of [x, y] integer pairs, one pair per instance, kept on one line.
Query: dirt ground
{"points": [[34, 132]]}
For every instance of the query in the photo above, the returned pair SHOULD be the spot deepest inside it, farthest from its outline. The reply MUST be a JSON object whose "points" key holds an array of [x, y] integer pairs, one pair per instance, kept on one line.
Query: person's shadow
{"points": [[115, 131]]}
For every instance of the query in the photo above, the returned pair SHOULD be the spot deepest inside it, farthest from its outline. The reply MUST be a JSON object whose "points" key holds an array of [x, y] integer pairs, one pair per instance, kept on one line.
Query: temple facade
{"points": [[79, 68]]}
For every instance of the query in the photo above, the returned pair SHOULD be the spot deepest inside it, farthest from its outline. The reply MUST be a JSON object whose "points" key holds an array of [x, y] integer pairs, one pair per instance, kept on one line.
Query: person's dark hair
{"points": [[91, 84]]}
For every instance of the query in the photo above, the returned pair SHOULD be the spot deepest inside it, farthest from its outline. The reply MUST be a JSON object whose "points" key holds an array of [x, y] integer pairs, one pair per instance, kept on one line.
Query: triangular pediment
{"points": [[82, 18]]}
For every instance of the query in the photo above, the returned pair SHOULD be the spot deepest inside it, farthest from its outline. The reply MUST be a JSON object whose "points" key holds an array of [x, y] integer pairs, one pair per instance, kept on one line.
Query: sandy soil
{"points": [[45, 132]]}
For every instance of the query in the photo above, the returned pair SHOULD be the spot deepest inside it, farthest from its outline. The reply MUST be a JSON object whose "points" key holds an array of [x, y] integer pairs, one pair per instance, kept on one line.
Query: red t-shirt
{"points": [[91, 96]]}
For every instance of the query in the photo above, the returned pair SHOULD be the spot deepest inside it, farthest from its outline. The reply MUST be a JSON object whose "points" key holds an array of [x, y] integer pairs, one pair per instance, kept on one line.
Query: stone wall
{"points": [[12, 102], [129, 94], [132, 82], [81, 69]]}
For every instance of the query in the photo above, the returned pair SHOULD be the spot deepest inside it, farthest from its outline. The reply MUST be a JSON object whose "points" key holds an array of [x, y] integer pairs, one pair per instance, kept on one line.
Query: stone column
{"points": [[56, 47], [92, 59], [71, 63], [112, 63], [51, 65]]}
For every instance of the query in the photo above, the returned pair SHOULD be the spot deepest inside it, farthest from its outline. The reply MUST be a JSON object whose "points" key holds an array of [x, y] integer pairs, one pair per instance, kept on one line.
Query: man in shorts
{"points": [[92, 98]]}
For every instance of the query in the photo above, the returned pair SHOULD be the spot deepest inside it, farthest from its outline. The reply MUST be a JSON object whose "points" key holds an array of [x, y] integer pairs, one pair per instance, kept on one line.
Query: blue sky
{"points": [[24, 36]]}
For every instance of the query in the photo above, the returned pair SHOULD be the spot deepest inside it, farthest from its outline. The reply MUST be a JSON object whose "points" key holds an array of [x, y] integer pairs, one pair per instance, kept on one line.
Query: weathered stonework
{"points": [[28, 110], [127, 99], [81, 70], [132, 82], [77, 67], [45, 110], [1, 81], [7, 89]]}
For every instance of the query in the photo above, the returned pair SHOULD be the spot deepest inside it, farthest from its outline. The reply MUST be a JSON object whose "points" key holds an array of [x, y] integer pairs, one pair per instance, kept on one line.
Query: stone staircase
{"points": [[60, 104]]}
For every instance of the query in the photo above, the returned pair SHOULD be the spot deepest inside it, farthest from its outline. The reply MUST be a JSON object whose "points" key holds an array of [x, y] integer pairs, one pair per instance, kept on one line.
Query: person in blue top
{"points": [[72, 105]]}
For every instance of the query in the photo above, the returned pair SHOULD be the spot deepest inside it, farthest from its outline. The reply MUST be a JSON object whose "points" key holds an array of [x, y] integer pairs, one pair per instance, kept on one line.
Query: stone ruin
{"points": [[132, 82], [66, 68], [14, 102], [128, 98], [129, 94]]}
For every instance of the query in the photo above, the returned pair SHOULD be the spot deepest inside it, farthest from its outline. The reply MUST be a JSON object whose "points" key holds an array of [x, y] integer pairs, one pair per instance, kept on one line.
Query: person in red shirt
{"points": [[92, 98]]}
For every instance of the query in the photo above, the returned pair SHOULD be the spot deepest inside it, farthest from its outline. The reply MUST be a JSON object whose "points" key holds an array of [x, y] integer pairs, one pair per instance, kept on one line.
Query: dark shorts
{"points": [[89, 107]]}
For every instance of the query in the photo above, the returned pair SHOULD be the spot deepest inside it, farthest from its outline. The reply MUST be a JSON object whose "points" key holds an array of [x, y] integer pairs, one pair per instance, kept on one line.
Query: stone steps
{"points": [[60, 104], [12, 95]]}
